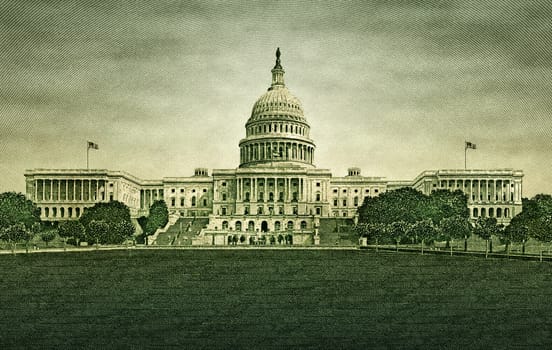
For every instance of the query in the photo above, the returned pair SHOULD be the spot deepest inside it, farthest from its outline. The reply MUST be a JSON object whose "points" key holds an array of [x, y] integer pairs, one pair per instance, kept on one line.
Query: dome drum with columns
{"points": [[277, 133]]}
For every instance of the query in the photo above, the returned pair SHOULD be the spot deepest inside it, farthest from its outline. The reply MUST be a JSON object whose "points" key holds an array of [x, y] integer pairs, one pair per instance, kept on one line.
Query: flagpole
{"points": [[465, 152]]}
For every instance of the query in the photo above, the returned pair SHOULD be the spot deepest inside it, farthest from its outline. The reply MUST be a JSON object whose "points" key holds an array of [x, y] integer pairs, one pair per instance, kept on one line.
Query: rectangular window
{"points": [[318, 184], [335, 202], [181, 202], [344, 202], [173, 202]]}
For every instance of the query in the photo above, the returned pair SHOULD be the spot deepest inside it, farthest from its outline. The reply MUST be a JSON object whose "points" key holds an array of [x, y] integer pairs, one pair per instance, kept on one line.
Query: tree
{"points": [[456, 227], [98, 231], [48, 236], [405, 204], [445, 204], [16, 233], [15, 209], [113, 214], [120, 231], [423, 231], [158, 217], [397, 231], [486, 228], [72, 229]]}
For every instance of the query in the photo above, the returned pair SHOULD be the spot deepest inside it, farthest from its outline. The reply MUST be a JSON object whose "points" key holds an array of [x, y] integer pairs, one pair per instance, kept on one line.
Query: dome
{"points": [[277, 133], [279, 103]]}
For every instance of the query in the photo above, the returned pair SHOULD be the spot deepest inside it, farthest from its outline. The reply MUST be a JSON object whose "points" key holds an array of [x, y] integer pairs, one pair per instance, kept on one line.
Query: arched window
{"points": [[225, 225], [491, 212], [271, 196], [46, 212], [483, 212], [498, 212], [506, 212], [70, 212], [303, 225], [475, 212], [251, 226], [290, 225], [193, 201], [277, 226], [77, 212], [246, 197], [238, 226], [62, 212], [54, 212]]}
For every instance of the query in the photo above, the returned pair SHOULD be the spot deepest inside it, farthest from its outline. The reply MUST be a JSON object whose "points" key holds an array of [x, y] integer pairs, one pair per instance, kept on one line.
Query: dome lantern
{"points": [[277, 73]]}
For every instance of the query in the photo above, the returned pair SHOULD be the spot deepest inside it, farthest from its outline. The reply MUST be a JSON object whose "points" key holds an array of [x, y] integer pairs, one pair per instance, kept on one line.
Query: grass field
{"points": [[280, 299]]}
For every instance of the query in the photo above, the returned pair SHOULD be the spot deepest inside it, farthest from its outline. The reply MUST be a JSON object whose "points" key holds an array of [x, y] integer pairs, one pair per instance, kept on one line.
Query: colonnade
{"points": [[271, 189], [148, 196], [65, 190], [267, 151], [484, 190]]}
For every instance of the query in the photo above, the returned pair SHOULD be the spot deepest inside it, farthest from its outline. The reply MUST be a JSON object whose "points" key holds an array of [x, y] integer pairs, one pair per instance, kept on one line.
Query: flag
{"points": [[470, 145], [92, 145]]}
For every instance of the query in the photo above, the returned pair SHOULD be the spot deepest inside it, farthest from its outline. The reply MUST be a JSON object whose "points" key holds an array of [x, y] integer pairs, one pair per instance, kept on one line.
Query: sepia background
{"points": [[393, 87]]}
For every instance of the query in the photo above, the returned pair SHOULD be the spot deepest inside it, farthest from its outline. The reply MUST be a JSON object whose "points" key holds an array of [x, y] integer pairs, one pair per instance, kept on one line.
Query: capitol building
{"points": [[275, 188]]}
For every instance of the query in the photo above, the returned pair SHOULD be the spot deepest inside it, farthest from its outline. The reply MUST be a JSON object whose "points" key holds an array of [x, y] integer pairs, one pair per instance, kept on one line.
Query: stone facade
{"points": [[276, 187]]}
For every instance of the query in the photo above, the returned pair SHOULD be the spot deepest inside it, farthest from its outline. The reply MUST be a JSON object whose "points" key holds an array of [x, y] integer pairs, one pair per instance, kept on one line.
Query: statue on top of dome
{"points": [[278, 65]]}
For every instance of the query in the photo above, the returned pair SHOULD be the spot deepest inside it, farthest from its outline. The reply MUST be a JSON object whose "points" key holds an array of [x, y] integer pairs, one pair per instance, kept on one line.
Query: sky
{"points": [[163, 87]]}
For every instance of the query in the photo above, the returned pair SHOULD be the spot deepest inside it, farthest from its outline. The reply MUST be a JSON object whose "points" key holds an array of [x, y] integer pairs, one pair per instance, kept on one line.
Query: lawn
{"points": [[281, 299]]}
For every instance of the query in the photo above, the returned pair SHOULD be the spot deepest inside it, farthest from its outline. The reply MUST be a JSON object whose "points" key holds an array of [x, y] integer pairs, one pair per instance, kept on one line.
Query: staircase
{"points": [[182, 231], [338, 231]]}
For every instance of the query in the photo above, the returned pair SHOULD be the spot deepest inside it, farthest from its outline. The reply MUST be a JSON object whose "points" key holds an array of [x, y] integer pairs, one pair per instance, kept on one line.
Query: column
{"points": [[97, 191]]}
